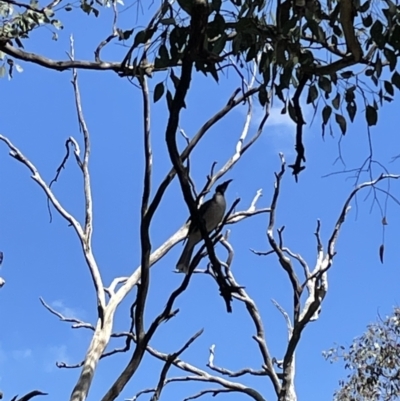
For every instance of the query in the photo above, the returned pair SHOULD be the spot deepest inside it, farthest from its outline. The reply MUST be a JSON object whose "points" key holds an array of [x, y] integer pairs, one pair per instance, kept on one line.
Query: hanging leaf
{"points": [[139, 38], [326, 113], [174, 79], [325, 84], [391, 58], [219, 44], [158, 92], [396, 79], [186, 5], [349, 95], [378, 66], [168, 21], [371, 115], [124, 35], [216, 5], [347, 74], [364, 7], [376, 31], [163, 59], [263, 96], [336, 101], [388, 88], [341, 121], [351, 110], [312, 94], [381, 252], [367, 21]]}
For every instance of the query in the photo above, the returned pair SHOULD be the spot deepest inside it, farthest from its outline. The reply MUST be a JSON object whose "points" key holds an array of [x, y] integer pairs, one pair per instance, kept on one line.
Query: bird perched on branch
{"points": [[212, 212]]}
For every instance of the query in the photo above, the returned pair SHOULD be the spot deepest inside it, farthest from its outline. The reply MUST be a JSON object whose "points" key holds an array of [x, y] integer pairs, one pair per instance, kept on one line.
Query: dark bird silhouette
{"points": [[212, 212]]}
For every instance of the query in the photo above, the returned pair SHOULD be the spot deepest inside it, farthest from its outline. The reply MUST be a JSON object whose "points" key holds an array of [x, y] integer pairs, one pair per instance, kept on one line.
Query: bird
{"points": [[212, 212]]}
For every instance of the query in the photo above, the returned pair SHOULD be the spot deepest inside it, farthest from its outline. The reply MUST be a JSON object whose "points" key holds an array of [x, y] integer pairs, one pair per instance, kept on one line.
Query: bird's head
{"points": [[221, 188]]}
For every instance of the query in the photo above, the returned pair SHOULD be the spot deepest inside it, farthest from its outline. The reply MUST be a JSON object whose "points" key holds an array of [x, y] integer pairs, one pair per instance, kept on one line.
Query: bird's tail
{"points": [[184, 260]]}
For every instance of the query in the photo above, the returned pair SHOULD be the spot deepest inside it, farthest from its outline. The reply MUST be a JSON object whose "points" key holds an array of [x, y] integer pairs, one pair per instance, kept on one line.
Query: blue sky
{"points": [[43, 259]]}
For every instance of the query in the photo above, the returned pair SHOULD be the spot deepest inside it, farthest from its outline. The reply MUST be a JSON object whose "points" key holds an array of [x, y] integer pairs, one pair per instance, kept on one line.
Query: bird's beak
{"points": [[225, 184]]}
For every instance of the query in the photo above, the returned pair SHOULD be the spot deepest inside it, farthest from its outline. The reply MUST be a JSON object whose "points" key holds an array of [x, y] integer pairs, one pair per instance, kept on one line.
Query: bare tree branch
{"points": [[283, 259], [254, 313], [231, 373], [170, 359]]}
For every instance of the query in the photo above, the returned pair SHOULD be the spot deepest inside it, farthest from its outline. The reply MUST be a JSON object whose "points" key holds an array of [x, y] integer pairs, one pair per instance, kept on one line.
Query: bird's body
{"points": [[212, 212]]}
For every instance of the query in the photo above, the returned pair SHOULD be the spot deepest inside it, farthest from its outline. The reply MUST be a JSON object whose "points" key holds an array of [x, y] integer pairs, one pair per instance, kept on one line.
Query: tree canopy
{"points": [[325, 61]]}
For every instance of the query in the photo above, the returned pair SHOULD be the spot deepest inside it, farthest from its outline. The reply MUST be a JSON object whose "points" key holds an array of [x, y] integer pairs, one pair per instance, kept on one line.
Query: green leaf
{"points": [[174, 79], [186, 5], [125, 35], [378, 66], [351, 110], [163, 60], [219, 23], [252, 52], [371, 115], [364, 7], [336, 101], [367, 21], [216, 5], [289, 25], [312, 94], [341, 121], [286, 76], [263, 96], [376, 33], [326, 114], [139, 38], [219, 44], [337, 31], [396, 79], [158, 92], [168, 21], [267, 75], [389, 16], [347, 74], [349, 95], [391, 58], [325, 84], [388, 88], [394, 39], [392, 7]]}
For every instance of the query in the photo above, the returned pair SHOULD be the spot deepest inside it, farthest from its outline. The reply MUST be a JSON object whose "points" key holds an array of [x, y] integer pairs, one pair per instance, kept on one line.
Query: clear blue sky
{"points": [[43, 259]]}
